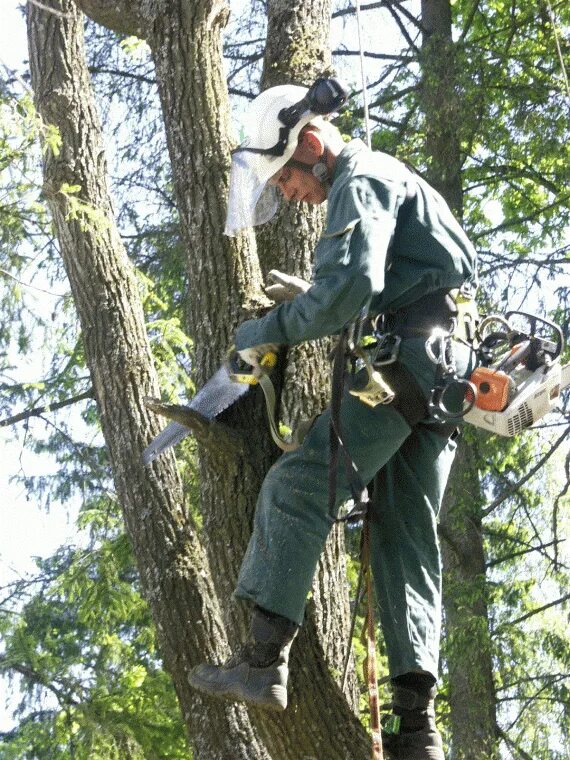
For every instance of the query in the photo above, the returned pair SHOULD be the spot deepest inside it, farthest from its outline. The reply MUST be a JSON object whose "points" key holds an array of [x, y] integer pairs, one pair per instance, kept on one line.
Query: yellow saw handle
{"points": [[260, 376], [266, 364]]}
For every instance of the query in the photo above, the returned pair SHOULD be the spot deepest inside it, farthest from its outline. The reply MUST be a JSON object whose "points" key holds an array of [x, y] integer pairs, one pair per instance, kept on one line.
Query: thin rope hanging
{"points": [[363, 75]]}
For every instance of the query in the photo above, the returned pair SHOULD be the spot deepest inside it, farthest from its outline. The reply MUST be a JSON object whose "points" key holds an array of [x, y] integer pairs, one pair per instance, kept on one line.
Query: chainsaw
{"points": [[521, 375]]}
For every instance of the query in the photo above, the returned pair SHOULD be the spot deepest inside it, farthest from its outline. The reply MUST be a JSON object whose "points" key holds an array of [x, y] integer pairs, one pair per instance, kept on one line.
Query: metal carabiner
{"points": [[439, 339], [439, 402]]}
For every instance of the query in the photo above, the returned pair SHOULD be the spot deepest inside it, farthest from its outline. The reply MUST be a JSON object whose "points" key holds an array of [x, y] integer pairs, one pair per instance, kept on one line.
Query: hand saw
{"points": [[222, 390]]}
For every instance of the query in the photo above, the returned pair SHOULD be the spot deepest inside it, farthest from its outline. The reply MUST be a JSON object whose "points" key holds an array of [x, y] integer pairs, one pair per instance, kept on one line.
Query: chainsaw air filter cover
{"points": [[495, 389]]}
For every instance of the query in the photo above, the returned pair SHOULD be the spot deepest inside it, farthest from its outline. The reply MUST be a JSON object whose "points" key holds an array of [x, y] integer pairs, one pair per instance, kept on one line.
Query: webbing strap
{"points": [[358, 490], [270, 401], [370, 664]]}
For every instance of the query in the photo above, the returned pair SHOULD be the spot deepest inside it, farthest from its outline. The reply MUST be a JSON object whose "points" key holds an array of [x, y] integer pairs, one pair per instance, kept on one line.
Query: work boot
{"points": [[410, 732], [258, 672]]}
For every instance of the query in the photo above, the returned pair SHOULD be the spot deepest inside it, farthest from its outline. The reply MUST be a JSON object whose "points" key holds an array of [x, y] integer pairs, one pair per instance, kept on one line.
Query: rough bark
{"points": [[441, 104], [226, 275], [173, 567], [472, 698], [223, 273], [224, 281], [297, 51]]}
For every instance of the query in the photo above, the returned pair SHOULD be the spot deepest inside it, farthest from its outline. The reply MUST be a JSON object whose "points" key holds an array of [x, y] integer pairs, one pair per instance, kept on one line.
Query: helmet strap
{"points": [[319, 170]]}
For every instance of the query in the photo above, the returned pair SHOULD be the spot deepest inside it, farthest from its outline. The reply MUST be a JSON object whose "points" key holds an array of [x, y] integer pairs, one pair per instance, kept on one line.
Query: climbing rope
{"points": [[370, 663], [358, 514], [363, 75]]}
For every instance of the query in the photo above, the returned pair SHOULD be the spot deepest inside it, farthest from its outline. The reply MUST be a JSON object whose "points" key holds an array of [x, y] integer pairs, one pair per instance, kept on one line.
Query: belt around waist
{"points": [[437, 309]]}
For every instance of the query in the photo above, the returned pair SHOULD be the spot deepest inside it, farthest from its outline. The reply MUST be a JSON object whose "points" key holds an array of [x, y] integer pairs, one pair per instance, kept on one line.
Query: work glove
{"points": [[253, 355], [285, 287]]}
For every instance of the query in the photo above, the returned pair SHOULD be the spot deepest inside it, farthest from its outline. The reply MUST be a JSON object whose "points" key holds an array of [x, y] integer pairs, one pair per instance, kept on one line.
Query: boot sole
{"points": [[271, 697]]}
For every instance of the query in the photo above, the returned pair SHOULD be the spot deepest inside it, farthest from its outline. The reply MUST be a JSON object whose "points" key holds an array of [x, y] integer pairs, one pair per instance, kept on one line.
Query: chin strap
{"points": [[320, 170]]}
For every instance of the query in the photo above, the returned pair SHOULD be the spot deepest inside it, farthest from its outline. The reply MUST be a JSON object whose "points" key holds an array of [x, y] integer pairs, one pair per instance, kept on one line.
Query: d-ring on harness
{"points": [[448, 386]]}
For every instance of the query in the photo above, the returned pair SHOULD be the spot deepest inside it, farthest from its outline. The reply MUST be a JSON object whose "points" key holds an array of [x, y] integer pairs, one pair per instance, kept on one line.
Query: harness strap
{"points": [[420, 317], [370, 663], [358, 489], [409, 400]]}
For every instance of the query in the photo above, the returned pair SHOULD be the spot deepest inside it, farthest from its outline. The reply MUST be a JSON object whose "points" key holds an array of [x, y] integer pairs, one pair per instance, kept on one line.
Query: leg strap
{"points": [[409, 401]]}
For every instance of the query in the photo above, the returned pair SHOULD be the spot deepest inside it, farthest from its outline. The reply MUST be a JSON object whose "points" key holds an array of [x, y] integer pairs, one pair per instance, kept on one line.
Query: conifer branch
{"points": [[522, 552], [532, 613], [511, 744]]}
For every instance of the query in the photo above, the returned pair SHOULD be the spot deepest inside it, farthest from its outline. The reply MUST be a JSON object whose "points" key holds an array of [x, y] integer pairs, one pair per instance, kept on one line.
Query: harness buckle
{"points": [[387, 350]]}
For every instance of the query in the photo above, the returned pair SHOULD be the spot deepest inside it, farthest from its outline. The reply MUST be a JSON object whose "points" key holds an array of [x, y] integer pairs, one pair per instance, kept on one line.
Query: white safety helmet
{"points": [[275, 119]]}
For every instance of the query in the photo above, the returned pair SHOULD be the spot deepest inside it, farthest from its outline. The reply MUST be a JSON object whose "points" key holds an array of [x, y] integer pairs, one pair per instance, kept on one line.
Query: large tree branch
{"points": [[469, 20], [503, 535], [380, 56], [521, 553], [549, 677], [124, 74], [122, 16], [402, 27], [349, 10], [559, 202], [512, 745], [532, 613], [64, 697]]}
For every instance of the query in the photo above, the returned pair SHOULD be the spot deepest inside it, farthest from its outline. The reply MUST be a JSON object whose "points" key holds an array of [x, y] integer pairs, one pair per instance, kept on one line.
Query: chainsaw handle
{"points": [[515, 358], [533, 320]]}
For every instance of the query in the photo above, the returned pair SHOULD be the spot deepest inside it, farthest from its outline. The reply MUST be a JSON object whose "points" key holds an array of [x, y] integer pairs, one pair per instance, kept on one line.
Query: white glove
{"points": [[286, 286], [253, 355]]}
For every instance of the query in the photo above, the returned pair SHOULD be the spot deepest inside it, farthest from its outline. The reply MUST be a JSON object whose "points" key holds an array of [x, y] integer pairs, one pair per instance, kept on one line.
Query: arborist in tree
{"points": [[392, 251]]}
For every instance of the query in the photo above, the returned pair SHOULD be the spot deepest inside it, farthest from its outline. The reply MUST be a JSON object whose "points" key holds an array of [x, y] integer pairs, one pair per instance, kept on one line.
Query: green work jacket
{"points": [[389, 239]]}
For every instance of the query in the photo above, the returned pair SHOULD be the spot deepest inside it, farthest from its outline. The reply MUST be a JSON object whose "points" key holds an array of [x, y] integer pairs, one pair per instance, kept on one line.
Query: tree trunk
{"points": [[441, 104], [173, 567], [187, 52], [468, 644], [468, 647]]}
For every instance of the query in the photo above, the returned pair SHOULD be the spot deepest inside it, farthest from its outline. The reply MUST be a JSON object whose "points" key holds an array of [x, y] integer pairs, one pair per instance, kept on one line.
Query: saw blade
{"points": [[218, 394], [172, 434]]}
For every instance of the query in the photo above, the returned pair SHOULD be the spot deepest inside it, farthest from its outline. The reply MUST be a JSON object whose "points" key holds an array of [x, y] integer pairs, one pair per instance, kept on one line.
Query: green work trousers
{"points": [[292, 521]]}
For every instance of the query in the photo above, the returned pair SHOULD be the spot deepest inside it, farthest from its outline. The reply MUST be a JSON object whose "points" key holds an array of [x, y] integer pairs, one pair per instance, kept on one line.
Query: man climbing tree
{"points": [[392, 251]]}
